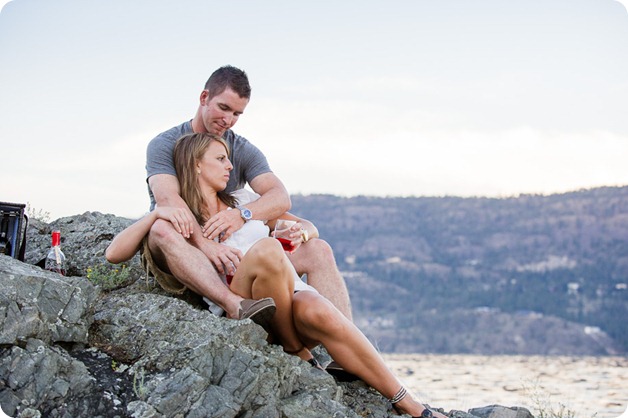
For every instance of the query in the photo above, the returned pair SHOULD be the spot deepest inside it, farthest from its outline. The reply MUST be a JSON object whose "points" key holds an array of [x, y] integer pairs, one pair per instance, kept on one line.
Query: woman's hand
{"points": [[296, 235], [181, 218], [226, 259]]}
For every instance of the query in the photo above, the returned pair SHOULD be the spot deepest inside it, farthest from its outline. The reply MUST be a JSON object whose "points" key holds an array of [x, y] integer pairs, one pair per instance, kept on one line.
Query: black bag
{"points": [[13, 223]]}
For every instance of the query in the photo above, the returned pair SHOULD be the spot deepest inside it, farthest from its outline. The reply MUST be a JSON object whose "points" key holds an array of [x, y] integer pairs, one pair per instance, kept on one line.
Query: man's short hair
{"points": [[228, 76]]}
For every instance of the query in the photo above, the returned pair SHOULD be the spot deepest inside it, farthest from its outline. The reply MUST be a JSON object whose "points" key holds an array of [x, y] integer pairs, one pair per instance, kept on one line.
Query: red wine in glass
{"points": [[282, 233], [286, 244]]}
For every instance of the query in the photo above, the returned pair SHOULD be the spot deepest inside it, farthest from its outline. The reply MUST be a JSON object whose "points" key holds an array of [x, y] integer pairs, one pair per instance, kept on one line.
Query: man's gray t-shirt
{"points": [[248, 161]]}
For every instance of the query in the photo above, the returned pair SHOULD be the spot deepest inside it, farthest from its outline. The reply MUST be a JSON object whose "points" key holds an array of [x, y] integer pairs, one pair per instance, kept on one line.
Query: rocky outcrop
{"points": [[146, 354], [84, 239], [43, 305], [69, 349]]}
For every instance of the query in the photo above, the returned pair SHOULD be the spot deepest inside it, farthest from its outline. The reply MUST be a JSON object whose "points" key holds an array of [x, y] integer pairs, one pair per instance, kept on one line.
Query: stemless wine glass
{"points": [[282, 233]]}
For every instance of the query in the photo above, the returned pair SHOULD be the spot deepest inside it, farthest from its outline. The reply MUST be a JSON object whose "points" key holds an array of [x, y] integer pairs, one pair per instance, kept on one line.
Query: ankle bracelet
{"points": [[399, 395]]}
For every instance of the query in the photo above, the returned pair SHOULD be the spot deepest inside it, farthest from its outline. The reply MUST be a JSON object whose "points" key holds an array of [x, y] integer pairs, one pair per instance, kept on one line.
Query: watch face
{"points": [[426, 413], [246, 213]]}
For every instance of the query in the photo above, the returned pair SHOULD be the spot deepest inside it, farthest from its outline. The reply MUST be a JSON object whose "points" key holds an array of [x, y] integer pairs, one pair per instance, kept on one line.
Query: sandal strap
{"points": [[315, 363]]}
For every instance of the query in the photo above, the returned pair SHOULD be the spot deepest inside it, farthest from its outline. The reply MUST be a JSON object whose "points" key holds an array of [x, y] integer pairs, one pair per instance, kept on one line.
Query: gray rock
{"points": [[140, 409], [189, 357], [35, 303], [497, 411], [47, 379], [179, 360], [460, 414]]}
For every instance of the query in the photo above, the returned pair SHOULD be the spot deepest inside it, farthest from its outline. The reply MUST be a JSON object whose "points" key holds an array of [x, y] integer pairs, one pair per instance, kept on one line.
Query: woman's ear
{"points": [[198, 167]]}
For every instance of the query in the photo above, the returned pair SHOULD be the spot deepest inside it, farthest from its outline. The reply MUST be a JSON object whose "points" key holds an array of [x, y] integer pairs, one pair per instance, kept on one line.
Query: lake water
{"points": [[584, 386]]}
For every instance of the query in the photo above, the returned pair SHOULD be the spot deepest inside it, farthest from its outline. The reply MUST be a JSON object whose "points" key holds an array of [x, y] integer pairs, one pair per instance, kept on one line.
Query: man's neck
{"points": [[197, 123]]}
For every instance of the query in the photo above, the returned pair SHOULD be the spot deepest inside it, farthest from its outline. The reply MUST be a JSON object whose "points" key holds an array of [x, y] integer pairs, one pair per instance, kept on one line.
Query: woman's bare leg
{"points": [[318, 321], [265, 271]]}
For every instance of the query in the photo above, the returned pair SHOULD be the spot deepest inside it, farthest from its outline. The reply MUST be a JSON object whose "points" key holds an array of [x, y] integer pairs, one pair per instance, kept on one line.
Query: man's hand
{"points": [[223, 224]]}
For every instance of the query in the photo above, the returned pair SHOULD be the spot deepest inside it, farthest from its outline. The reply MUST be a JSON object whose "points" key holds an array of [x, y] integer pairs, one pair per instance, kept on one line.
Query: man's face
{"points": [[221, 112]]}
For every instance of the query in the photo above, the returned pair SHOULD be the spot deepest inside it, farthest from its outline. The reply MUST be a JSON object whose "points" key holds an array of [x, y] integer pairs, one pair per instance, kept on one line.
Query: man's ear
{"points": [[204, 96]]}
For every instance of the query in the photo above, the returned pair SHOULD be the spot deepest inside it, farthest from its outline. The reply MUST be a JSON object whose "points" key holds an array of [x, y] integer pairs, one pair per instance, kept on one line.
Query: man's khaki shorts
{"points": [[166, 280]]}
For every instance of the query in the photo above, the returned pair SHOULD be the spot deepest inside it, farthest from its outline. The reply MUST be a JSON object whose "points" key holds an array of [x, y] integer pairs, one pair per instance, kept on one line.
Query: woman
{"points": [[303, 318]]}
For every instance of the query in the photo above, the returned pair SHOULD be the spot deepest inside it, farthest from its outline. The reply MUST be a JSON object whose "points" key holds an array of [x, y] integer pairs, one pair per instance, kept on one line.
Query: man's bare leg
{"points": [[190, 266], [316, 259]]}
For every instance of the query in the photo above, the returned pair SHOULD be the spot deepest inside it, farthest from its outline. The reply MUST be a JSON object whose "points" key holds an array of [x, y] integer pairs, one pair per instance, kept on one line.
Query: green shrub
{"points": [[109, 276]]}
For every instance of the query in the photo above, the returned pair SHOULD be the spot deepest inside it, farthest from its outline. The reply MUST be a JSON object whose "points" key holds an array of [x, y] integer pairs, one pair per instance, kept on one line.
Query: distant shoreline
{"points": [[579, 383]]}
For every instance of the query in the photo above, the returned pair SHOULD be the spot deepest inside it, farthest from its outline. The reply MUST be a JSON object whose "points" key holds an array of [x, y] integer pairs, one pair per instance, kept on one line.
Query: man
{"points": [[188, 251]]}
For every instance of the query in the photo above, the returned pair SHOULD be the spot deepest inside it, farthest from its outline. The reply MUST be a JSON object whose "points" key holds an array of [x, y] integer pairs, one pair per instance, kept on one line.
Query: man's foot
{"points": [[259, 311]]}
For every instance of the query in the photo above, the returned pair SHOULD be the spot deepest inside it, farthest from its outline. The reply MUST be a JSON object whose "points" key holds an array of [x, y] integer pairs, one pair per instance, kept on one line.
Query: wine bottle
{"points": [[55, 260]]}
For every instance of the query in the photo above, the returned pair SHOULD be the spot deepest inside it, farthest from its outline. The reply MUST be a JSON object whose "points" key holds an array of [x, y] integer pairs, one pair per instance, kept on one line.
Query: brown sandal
{"points": [[315, 364]]}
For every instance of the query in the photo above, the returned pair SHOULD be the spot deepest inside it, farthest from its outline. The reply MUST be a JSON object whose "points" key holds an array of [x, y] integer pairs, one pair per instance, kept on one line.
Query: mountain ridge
{"points": [[561, 257]]}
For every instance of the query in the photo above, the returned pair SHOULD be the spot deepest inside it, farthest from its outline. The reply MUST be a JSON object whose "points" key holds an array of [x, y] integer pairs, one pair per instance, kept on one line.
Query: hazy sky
{"points": [[424, 97]]}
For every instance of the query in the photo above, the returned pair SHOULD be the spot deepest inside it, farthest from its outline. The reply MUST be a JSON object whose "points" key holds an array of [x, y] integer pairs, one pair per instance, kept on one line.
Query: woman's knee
{"points": [[268, 254], [314, 312]]}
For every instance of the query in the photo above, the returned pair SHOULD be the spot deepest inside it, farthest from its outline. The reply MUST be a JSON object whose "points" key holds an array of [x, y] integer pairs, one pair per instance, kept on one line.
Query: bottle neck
{"points": [[56, 238]]}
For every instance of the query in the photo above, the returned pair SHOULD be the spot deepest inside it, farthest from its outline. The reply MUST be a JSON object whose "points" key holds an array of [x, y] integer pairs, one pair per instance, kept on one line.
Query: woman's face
{"points": [[214, 167]]}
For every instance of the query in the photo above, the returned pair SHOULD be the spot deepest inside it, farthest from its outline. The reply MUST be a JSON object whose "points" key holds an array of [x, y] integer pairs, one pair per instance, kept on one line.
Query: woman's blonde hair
{"points": [[188, 150]]}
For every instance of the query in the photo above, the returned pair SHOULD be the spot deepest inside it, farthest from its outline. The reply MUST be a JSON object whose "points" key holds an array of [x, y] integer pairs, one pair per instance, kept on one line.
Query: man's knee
{"points": [[164, 241], [163, 232], [319, 250]]}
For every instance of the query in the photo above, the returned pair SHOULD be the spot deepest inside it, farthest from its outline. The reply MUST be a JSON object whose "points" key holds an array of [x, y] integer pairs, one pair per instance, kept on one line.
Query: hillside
{"points": [[531, 274]]}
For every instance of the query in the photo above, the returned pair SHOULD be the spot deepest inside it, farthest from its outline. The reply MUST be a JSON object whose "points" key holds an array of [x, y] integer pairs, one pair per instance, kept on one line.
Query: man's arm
{"points": [[165, 188], [273, 202], [274, 198]]}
